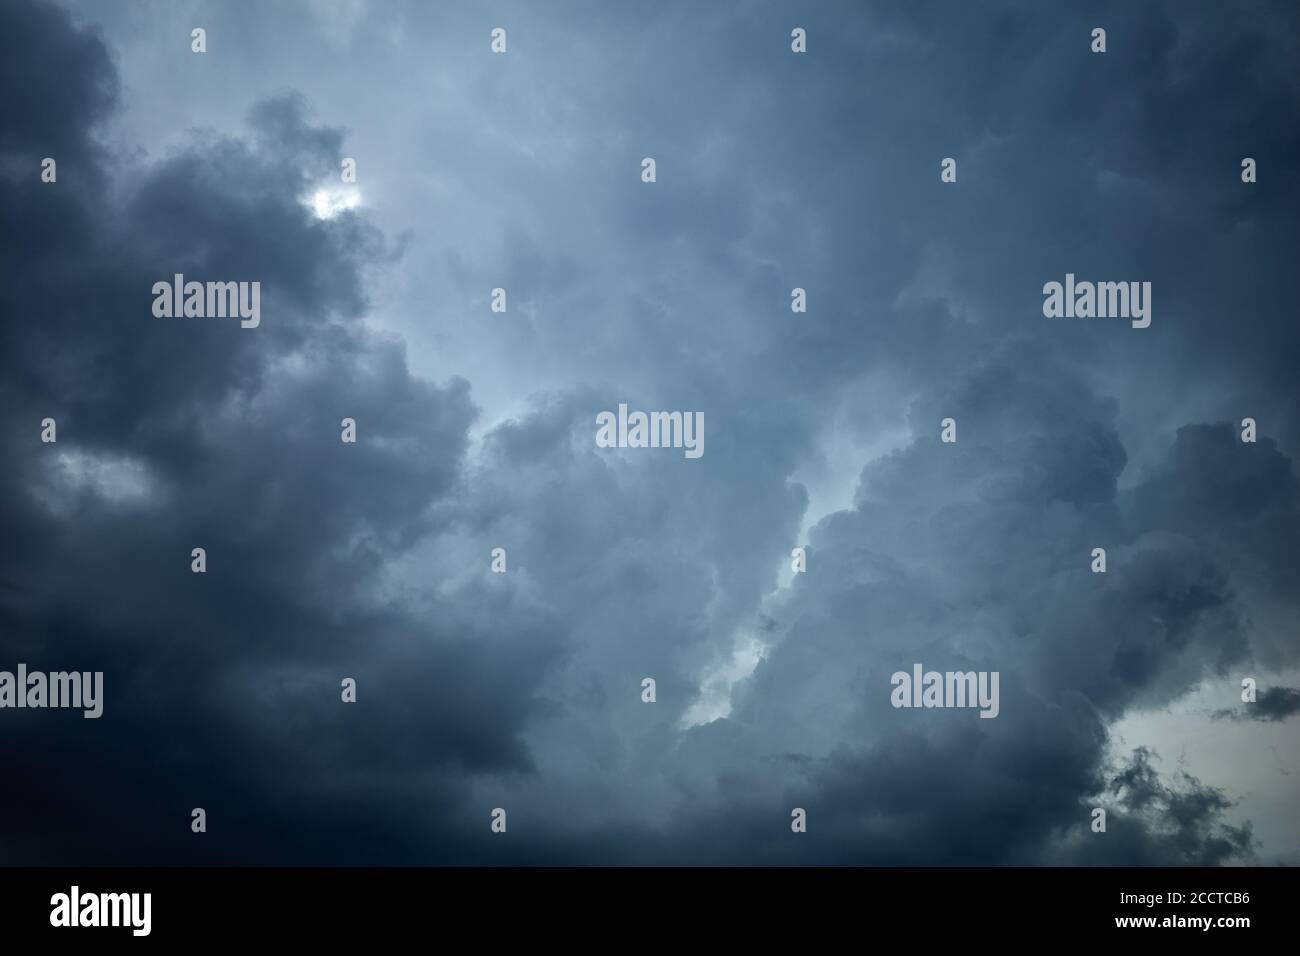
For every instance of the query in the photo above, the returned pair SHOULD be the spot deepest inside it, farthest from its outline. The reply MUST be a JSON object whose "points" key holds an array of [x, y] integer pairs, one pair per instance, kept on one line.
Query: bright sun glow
{"points": [[329, 201]]}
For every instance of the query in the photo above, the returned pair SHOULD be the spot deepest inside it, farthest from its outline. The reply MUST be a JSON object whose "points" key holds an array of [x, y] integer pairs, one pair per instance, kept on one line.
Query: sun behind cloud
{"points": [[327, 202]]}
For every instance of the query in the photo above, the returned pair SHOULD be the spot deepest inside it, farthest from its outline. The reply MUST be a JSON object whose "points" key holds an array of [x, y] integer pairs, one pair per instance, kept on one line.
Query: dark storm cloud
{"points": [[1277, 703], [1273, 704], [975, 557], [227, 684], [1156, 822], [52, 118], [476, 690]]}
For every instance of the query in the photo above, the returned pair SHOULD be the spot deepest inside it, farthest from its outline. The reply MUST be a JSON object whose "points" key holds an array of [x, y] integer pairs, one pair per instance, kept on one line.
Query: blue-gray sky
{"points": [[775, 170]]}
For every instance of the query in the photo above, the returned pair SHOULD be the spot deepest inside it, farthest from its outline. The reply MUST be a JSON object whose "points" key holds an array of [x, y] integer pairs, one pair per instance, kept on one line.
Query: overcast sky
{"points": [[476, 430]]}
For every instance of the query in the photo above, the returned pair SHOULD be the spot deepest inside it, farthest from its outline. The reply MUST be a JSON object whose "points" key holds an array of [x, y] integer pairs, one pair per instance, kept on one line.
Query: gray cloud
{"points": [[522, 690]]}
